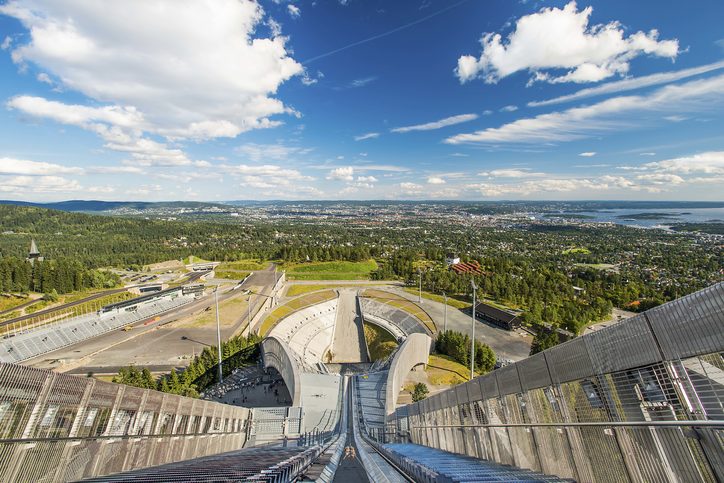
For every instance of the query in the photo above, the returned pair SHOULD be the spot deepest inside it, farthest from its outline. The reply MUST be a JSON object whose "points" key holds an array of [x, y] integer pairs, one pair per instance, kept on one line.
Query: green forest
{"points": [[532, 268]]}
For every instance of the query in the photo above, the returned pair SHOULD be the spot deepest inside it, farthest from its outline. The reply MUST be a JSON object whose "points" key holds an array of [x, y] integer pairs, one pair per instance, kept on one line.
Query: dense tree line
{"points": [[191, 381], [457, 346], [60, 276]]}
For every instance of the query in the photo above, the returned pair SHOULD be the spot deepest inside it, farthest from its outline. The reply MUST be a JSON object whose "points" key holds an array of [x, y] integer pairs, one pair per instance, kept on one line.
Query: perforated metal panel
{"points": [[569, 361], [622, 346], [508, 381], [474, 392], [692, 325], [489, 386], [533, 372]]}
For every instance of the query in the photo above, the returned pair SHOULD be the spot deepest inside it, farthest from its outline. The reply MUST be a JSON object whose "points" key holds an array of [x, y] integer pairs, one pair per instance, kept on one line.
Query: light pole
{"points": [[419, 296], [444, 324], [472, 342], [218, 332]]}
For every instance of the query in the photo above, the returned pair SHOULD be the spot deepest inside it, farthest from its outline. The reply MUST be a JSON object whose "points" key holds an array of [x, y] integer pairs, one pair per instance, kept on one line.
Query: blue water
{"points": [[686, 215]]}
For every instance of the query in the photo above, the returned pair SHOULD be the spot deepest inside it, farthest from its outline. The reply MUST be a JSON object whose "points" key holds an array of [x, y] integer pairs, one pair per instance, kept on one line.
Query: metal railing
{"points": [[642, 400], [57, 427]]}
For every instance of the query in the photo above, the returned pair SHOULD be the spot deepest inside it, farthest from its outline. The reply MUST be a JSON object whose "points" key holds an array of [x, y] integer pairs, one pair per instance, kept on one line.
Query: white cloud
{"points": [[579, 122], [294, 11], [343, 174], [553, 185], [435, 180], [265, 152], [448, 121], [588, 154], [7, 42], [369, 135], [411, 189], [510, 108], [487, 112], [366, 179], [189, 70], [38, 184], [631, 83], [562, 39], [510, 173], [115, 170], [12, 166], [711, 162]]}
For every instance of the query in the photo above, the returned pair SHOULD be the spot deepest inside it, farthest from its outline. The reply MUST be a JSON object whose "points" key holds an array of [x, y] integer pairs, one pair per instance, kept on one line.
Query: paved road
{"points": [[155, 344], [349, 340], [513, 345]]}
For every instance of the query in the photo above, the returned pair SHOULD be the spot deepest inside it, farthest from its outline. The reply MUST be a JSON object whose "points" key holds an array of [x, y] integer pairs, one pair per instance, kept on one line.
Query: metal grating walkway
{"points": [[270, 465], [433, 465]]}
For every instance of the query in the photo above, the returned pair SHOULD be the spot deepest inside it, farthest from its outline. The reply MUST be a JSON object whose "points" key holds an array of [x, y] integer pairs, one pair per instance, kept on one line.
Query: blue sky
{"points": [[361, 99]]}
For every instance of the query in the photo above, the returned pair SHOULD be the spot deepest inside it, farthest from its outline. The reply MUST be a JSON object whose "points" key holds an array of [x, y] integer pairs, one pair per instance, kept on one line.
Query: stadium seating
{"points": [[309, 332], [55, 336], [400, 320]]}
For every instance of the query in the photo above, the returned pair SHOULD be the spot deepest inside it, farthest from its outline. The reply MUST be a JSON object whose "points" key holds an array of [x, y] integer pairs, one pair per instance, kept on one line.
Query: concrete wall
{"points": [[414, 351], [549, 412], [277, 354], [67, 428]]}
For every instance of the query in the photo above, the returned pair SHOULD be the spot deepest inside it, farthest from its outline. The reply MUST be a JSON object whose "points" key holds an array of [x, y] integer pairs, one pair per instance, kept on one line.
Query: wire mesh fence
{"points": [[640, 401], [56, 427]]}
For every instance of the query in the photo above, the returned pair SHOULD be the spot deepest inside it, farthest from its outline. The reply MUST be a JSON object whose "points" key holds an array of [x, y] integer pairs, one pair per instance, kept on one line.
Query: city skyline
{"points": [[348, 99]]}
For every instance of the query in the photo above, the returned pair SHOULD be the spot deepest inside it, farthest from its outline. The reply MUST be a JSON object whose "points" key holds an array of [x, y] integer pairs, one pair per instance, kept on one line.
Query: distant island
{"points": [[649, 216]]}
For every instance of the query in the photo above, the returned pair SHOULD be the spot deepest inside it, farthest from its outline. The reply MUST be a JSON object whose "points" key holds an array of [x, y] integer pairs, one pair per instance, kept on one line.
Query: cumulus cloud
{"points": [[448, 121], [190, 70], [411, 189], [579, 122], [369, 135], [587, 154], [343, 174], [510, 108], [711, 162], [12, 166], [18, 185], [435, 180], [557, 38]]}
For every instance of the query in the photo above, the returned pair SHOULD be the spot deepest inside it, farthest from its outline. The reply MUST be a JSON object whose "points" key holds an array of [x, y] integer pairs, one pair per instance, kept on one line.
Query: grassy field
{"points": [[401, 303], [380, 342], [231, 274], [452, 302], [330, 270], [230, 310], [295, 290], [193, 259], [8, 302], [442, 370], [292, 306], [582, 250], [244, 265]]}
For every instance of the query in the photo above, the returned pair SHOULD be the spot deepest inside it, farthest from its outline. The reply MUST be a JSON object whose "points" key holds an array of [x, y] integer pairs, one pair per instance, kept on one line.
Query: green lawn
{"points": [[443, 370], [295, 290], [244, 265], [330, 270], [231, 274], [452, 302], [380, 342], [583, 250]]}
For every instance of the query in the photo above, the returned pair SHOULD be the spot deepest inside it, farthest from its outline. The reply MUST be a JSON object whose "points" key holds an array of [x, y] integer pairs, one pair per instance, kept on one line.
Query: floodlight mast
{"points": [[472, 342], [218, 333]]}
